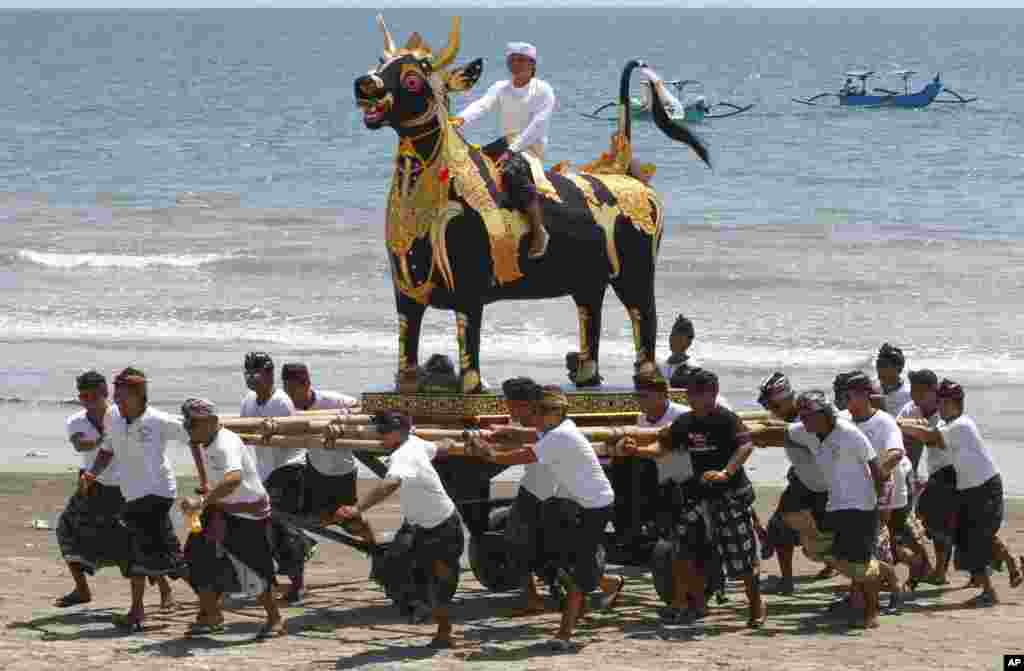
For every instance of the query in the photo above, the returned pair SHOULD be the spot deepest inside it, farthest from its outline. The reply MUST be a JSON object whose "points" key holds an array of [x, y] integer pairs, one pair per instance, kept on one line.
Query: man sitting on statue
{"points": [[525, 103]]}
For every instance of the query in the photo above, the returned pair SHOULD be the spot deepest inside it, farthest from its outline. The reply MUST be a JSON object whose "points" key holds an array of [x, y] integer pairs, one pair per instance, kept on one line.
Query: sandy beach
{"points": [[347, 623]]}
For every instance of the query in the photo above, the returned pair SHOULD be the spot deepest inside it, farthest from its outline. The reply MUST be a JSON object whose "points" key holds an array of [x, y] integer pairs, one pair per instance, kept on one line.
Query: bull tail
{"points": [[677, 130]]}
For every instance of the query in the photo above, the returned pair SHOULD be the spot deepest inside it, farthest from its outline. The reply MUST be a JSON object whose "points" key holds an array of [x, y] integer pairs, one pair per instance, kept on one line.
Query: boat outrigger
{"points": [[695, 112], [854, 93]]}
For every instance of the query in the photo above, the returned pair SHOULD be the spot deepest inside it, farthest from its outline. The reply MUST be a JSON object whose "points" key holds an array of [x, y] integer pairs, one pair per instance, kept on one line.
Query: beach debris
{"points": [[39, 524]]}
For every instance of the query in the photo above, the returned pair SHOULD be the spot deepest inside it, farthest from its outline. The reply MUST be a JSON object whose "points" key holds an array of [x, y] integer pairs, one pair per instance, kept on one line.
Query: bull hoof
{"points": [[471, 382], [587, 375]]}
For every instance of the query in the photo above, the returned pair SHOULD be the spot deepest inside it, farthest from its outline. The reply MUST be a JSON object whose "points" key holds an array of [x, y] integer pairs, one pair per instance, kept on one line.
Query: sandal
{"points": [[983, 600], [71, 599], [205, 629], [268, 631], [559, 645], [127, 623]]}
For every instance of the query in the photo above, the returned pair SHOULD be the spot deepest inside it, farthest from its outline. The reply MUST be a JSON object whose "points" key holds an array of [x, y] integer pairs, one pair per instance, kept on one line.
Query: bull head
{"points": [[410, 86]]}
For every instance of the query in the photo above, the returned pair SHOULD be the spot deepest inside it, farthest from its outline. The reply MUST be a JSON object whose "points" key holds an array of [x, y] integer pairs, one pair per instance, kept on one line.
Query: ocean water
{"points": [[183, 187]]}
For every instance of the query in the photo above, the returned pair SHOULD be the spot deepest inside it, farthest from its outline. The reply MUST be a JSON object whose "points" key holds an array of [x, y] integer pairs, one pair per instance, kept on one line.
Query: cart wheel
{"points": [[661, 570], [489, 556]]}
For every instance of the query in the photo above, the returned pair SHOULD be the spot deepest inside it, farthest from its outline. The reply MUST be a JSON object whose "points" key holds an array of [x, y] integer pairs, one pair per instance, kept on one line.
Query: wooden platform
{"points": [[604, 402]]}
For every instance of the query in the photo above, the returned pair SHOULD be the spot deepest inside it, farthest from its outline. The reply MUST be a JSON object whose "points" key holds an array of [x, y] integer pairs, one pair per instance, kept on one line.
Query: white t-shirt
{"points": [[802, 447], [883, 432], [422, 498], [269, 459], [676, 465], [896, 398], [538, 479], [140, 449], [227, 453], [885, 435], [79, 423], [896, 495], [525, 113], [332, 462], [668, 368], [971, 457], [844, 456], [574, 463], [935, 458]]}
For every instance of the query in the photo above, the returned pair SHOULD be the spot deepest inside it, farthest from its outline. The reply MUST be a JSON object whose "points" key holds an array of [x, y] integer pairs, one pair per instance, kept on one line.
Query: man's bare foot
{"points": [[167, 603]]}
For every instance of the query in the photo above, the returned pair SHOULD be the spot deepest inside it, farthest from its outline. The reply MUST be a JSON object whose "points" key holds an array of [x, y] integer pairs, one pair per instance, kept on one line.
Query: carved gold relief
{"points": [[584, 319], [633, 200]]}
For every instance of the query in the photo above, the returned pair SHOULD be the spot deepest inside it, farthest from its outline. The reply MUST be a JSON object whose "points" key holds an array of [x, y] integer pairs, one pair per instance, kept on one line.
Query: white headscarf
{"points": [[521, 48]]}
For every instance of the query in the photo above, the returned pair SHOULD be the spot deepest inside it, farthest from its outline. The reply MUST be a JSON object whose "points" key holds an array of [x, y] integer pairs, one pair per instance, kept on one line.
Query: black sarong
{"points": [[856, 534], [937, 506], [153, 549], [573, 536], [242, 562], [980, 514], [292, 548], [524, 534], [90, 532], [405, 566], [326, 493]]}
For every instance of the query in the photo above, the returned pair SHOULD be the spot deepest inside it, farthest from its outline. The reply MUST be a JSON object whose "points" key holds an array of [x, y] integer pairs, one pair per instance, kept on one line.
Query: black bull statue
{"points": [[456, 242]]}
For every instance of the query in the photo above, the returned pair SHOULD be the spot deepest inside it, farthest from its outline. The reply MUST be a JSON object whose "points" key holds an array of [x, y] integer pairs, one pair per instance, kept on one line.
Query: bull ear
{"points": [[463, 79]]}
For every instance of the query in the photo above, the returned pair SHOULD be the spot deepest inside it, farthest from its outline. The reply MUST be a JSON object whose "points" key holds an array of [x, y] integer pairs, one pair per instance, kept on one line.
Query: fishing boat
{"points": [[854, 93], [694, 112]]}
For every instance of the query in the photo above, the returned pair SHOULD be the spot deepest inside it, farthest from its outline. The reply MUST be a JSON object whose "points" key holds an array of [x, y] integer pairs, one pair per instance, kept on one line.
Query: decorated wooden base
{"points": [[607, 403]]}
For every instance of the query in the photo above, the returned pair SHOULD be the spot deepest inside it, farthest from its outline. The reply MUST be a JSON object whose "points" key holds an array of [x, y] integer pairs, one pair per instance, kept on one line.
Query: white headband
{"points": [[521, 48]]}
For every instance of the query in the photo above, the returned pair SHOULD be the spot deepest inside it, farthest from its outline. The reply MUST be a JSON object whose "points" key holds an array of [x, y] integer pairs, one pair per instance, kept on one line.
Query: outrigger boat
{"points": [[854, 93], [695, 112]]}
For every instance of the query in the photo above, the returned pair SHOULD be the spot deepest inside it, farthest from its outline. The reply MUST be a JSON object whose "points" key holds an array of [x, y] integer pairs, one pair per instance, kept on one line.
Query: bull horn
{"points": [[415, 42], [447, 55], [389, 44]]}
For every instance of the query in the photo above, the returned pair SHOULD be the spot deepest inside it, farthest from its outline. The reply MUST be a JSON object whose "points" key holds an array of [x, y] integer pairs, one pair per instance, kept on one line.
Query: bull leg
{"points": [[410, 317], [644, 319], [588, 309], [467, 324]]}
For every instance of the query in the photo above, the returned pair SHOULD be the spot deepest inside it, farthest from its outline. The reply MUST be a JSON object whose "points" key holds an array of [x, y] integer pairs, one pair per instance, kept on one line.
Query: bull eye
{"points": [[412, 83]]}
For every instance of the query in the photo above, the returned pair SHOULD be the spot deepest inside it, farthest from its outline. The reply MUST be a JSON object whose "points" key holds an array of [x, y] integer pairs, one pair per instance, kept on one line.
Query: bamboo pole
{"points": [[367, 439], [359, 426], [293, 425], [372, 446]]}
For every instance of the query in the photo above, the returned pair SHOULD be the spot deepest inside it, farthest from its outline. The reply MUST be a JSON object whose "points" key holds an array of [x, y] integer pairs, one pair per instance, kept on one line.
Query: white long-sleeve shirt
{"points": [[525, 113]]}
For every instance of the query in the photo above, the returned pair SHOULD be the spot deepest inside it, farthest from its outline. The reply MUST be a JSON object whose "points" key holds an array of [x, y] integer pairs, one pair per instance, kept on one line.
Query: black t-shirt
{"points": [[711, 442]]}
